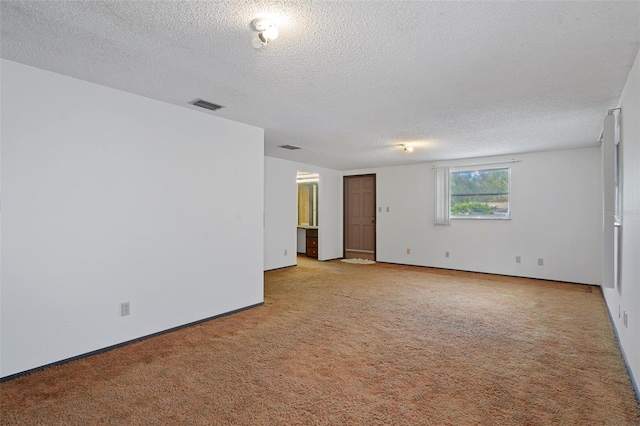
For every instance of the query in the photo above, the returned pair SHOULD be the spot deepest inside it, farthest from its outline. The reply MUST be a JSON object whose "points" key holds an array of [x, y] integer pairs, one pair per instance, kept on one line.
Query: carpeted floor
{"points": [[339, 344]]}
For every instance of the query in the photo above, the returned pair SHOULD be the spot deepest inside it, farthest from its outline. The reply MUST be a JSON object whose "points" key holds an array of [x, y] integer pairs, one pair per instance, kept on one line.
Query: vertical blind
{"points": [[611, 137], [442, 196]]}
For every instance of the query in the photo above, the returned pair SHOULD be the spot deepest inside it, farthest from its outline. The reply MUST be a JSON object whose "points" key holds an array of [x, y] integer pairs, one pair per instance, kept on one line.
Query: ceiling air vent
{"points": [[291, 147], [206, 105]]}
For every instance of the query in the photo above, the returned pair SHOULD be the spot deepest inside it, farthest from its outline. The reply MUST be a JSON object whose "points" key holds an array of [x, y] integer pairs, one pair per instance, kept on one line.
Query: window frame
{"points": [[459, 169]]}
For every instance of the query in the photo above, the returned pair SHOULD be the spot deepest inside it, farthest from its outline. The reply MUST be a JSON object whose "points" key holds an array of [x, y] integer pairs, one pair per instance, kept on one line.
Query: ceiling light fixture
{"points": [[267, 31], [407, 148]]}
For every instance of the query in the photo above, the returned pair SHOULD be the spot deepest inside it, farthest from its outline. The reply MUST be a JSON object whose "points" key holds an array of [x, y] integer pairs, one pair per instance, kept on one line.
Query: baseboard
{"points": [[487, 273], [128, 342], [281, 267], [634, 384]]}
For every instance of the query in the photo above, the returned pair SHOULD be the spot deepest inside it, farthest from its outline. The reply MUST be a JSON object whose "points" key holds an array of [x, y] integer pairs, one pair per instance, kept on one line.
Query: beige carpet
{"points": [[342, 344], [358, 261]]}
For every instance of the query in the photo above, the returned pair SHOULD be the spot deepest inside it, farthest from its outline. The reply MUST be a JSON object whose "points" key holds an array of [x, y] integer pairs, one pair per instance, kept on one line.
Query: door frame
{"points": [[344, 214]]}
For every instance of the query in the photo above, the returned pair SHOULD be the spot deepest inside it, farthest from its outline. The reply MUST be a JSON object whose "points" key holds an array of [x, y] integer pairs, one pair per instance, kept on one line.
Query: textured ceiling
{"points": [[349, 81]]}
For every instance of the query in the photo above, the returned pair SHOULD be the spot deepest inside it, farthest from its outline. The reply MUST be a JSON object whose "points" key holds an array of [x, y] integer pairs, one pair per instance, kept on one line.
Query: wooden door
{"points": [[360, 217]]}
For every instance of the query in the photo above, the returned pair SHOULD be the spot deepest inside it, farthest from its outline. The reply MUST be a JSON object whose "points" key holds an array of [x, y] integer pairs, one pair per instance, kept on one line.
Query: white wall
{"points": [[280, 217], [626, 295], [111, 197], [330, 219], [281, 207], [302, 240], [555, 204]]}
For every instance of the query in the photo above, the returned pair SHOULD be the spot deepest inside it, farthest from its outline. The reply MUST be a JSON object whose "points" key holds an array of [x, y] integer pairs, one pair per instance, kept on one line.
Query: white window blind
{"points": [[611, 137], [442, 196]]}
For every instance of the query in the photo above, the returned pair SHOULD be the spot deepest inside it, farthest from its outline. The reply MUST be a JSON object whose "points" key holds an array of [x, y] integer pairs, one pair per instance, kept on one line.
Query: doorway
{"points": [[360, 217], [308, 197]]}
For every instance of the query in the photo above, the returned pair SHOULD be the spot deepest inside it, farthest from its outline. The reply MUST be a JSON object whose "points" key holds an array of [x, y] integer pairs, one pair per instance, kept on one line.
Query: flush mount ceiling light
{"points": [[267, 31], [407, 148]]}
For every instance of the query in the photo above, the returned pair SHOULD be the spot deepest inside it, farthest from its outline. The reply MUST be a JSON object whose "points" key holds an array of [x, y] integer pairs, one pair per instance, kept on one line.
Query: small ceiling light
{"points": [[407, 148], [267, 31]]}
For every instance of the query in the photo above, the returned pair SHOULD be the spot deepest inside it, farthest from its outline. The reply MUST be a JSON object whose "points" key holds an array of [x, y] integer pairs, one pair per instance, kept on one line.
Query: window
{"points": [[480, 194]]}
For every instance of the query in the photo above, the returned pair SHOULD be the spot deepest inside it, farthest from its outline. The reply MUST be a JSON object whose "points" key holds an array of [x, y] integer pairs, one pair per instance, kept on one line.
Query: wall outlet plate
{"points": [[518, 259], [125, 309]]}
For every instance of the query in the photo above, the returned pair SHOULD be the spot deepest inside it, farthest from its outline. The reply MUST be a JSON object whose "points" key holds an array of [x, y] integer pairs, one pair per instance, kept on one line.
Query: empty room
{"points": [[320, 212]]}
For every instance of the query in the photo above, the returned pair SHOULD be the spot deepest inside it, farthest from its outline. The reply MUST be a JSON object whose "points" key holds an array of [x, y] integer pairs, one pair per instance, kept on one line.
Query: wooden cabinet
{"points": [[312, 243]]}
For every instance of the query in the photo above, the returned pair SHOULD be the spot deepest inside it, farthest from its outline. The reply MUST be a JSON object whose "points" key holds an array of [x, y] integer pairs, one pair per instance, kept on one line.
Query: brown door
{"points": [[360, 217]]}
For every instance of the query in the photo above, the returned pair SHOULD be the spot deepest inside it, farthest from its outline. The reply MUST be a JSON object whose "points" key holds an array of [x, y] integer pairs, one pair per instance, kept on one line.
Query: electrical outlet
{"points": [[379, 209], [387, 209], [285, 252], [446, 254], [518, 259], [125, 309], [540, 262], [408, 251], [625, 318]]}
